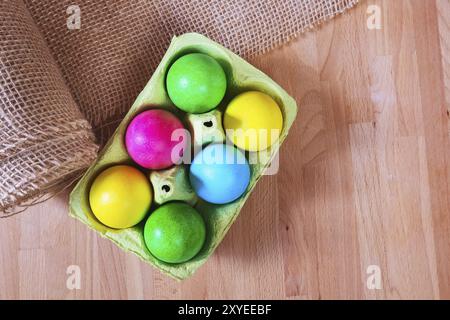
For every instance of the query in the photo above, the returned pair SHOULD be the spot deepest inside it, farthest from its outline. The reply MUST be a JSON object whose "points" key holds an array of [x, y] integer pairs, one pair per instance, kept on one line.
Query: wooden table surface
{"points": [[362, 194]]}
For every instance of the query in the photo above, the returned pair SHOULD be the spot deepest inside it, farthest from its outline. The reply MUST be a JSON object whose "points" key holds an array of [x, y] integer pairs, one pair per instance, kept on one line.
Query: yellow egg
{"points": [[253, 121], [120, 197]]}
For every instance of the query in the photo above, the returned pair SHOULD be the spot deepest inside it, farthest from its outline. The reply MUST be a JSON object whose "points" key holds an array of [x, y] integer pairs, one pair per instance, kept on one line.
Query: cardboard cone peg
{"points": [[172, 185], [206, 128]]}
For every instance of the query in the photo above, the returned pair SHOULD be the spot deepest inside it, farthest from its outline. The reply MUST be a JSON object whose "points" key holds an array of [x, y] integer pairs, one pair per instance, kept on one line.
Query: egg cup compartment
{"points": [[241, 76]]}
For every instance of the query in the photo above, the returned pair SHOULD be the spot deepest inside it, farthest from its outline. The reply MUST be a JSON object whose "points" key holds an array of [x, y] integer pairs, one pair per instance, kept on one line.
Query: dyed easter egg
{"points": [[219, 173], [120, 196], [253, 121], [155, 139], [175, 232], [196, 83]]}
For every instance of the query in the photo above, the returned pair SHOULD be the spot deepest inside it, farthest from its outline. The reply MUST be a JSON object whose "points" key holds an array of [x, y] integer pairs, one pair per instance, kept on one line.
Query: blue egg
{"points": [[220, 173]]}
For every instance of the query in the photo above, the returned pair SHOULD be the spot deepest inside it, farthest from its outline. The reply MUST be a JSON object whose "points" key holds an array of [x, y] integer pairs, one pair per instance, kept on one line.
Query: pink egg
{"points": [[149, 139]]}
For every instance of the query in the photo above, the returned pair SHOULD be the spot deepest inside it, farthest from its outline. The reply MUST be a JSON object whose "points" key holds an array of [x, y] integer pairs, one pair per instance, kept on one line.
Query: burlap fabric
{"points": [[104, 65], [44, 137]]}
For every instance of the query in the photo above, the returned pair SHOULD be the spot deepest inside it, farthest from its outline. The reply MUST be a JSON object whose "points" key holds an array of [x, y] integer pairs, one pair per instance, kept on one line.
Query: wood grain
{"points": [[364, 180]]}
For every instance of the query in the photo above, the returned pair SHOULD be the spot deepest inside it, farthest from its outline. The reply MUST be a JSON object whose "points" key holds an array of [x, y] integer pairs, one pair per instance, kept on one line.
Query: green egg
{"points": [[196, 83], [175, 232]]}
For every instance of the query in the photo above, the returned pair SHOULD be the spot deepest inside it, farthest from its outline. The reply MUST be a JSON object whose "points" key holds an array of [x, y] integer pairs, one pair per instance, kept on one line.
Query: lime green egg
{"points": [[175, 232]]}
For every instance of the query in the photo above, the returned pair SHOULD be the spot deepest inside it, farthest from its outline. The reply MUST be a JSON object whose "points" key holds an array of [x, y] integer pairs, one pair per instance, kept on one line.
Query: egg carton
{"points": [[241, 77]]}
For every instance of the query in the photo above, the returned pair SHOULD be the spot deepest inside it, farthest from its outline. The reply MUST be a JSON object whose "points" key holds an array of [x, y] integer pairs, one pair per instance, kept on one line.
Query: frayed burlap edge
{"points": [[51, 176], [284, 41]]}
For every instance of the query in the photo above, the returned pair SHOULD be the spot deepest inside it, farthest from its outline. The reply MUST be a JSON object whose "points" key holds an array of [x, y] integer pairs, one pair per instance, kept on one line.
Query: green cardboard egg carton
{"points": [[241, 77]]}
